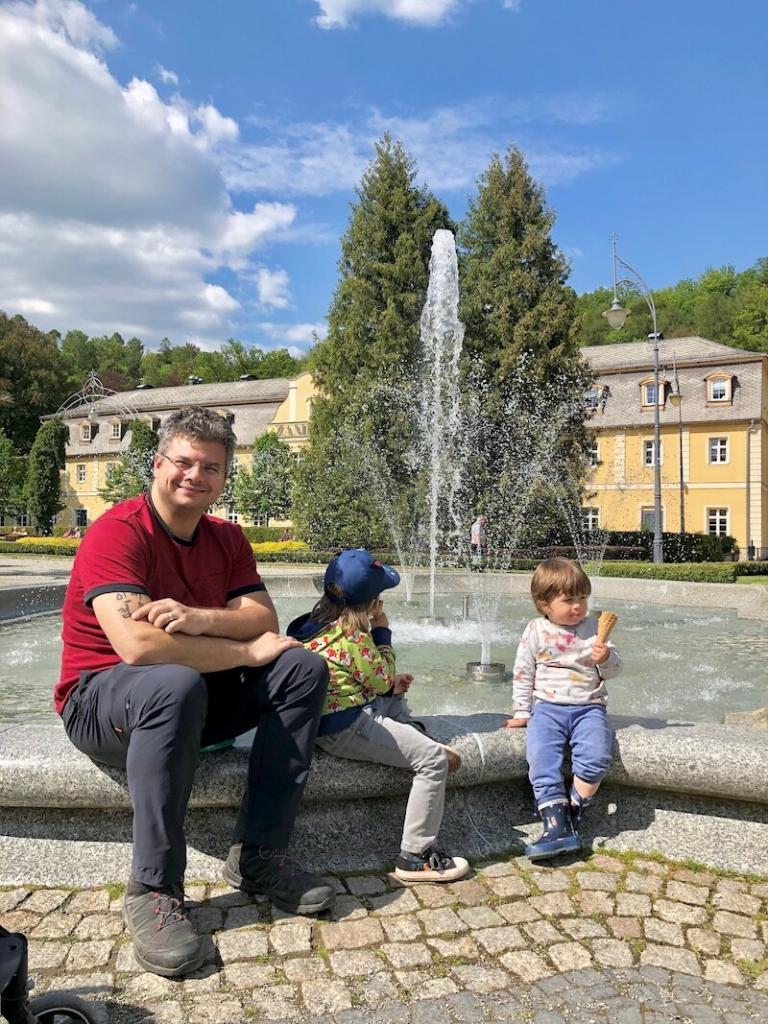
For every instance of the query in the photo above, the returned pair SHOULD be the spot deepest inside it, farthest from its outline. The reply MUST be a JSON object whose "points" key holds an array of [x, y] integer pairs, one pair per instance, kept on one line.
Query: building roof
{"points": [[640, 353], [141, 400]]}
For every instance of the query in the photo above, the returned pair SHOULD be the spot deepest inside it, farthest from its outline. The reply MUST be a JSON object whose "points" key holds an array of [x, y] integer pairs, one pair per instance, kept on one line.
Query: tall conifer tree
{"points": [[361, 366]]}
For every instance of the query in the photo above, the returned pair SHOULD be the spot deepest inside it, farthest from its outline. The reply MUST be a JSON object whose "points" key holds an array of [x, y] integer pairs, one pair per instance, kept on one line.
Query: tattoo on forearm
{"points": [[127, 599]]}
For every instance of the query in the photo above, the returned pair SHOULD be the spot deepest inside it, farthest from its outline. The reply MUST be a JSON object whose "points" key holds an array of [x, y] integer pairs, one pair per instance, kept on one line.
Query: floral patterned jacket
{"points": [[361, 665]]}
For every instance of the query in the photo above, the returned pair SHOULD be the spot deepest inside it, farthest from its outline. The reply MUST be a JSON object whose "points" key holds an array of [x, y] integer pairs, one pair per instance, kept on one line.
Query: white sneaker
{"points": [[431, 866]]}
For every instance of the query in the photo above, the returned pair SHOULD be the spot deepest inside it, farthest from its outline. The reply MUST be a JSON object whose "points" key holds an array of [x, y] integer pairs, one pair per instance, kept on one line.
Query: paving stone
{"points": [[508, 885], [686, 893], [10, 899], [650, 866], [84, 956], [43, 901], [433, 896], [738, 902], [125, 962], [734, 924], [307, 968], [433, 989], [215, 1010], [651, 885], [465, 1007], [494, 940], [722, 972], [747, 949], [207, 978], [731, 885], [663, 931], [393, 903], [401, 929], [277, 1002], [165, 1013], [206, 918], [281, 917], [249, 975], [569, 956], [481, 917], [441, 922], [463, 946], [704, 940], [55, 926], [612, 953], [679, 913], [98, 926], [366, 885], [347, 908], [406, 954], [526, 965], [595, 902], [469, 891], [704, 878], [351, 934], [497, 869], [550, 881], [553, 904], [760, 890], [327, 996], [520, 910], [624, 927], [47, 956], [245, 916], [147, 986], [597, 880], [374, 991], [481, 979], [761, 981], [354, 962], [291, 938], [241, 945], [91, 901], [633, 904], [542, 933], [682, 960], [583, 928]]}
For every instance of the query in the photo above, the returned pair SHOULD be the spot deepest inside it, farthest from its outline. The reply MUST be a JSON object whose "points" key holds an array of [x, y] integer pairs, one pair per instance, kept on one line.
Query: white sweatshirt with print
{"points": [[554, 664]]}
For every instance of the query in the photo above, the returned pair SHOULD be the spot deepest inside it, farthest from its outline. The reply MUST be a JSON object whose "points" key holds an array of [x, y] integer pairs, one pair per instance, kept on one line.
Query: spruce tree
{"points": [[362, 366], [520, 353], [42, 489]]}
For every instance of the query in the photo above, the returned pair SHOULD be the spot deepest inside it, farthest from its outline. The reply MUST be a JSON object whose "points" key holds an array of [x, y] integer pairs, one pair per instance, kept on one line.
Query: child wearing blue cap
{"points": [[366, 717]]}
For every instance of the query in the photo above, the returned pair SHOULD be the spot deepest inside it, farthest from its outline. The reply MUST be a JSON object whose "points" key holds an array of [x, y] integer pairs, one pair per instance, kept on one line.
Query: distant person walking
{"points": [[478, 544]]}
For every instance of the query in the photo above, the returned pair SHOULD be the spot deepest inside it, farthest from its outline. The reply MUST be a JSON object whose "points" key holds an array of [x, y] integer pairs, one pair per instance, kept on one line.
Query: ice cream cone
{"points": [[605, 624]]}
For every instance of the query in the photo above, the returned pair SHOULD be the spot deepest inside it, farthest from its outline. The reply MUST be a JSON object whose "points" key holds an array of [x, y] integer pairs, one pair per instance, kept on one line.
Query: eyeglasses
{"points": [[212, 469]]}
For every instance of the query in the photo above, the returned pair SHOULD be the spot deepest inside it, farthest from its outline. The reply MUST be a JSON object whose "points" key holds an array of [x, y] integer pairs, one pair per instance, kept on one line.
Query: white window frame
{"points": [[81, 472], [116, 431], [86, 433], [648, 447], [232, 516], [651, 515], [593, 452], [719, 516], [725, 382], [718, 446], [590, 518]]}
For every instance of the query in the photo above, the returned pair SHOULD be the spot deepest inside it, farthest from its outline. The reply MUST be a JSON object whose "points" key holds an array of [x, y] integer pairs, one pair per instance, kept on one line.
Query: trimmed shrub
{"points": [[263, 534], [752, 568], [40, 546], [692, 572]]}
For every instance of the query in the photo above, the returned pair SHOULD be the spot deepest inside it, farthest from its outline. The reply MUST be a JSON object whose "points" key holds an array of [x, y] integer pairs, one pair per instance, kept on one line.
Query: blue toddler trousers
{"points": [[552, 728]]}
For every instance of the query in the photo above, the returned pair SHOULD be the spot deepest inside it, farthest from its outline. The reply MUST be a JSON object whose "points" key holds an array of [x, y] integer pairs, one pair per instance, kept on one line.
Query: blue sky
{"points": [[186, 168]]}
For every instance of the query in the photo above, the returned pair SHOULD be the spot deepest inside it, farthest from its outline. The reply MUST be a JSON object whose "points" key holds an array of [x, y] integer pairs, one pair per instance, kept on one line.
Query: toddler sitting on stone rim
{"points": [[366, 717]]}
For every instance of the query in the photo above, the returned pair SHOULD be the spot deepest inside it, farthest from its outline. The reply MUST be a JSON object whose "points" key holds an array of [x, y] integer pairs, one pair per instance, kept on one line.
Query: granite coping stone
{"points": [[40, 768]]}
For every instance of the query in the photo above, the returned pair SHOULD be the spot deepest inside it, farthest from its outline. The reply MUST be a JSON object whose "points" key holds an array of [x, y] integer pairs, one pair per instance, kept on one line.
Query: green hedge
{"points": [[263, 534], [692, 572], [15, 548], [752, 568]]}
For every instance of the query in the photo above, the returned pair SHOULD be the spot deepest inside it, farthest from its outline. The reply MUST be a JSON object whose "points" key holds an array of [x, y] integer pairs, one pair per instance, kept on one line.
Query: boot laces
{"points": [[438, 860], [170, 907]]}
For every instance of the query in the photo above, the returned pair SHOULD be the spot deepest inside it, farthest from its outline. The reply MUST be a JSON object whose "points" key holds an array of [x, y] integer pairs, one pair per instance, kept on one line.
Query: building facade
{"points": [[99, 433], [713, 412]]}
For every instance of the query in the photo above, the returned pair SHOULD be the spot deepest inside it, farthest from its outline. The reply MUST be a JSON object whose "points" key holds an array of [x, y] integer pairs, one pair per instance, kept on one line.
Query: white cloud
{"points": [[113, 211], [337, 13], [293, 333], [167, 76], [272, 288]]}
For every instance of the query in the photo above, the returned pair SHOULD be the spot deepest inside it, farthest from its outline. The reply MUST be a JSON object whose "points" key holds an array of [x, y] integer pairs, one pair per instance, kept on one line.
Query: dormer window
{"points": [[719, 387], [115, 430], [595, 397], [86, 433], [648, 396]]}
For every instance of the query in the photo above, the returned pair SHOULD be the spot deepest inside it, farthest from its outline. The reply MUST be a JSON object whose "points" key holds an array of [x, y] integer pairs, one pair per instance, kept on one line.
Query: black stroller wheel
{"points": [[62, 1008]]}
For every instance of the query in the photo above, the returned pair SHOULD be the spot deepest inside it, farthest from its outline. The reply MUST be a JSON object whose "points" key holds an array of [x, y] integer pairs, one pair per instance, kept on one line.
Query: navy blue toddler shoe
{"points": [[559, 835]]}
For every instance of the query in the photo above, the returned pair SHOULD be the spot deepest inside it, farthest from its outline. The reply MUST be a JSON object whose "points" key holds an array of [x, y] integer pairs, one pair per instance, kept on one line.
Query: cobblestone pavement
{"points": [[629, 941]]}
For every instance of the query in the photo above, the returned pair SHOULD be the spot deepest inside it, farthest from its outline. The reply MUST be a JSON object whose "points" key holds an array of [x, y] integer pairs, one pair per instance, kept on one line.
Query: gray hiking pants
{"points": [[381, 733]]}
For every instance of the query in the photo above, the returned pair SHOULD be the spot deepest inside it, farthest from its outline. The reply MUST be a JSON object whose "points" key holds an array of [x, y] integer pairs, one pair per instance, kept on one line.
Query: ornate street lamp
{"points": [[676, 400], [617, 317]]}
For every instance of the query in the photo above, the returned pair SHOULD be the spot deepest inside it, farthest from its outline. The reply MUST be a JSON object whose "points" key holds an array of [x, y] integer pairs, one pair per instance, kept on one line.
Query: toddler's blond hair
{"points": [[351, 616], [558, 577]]}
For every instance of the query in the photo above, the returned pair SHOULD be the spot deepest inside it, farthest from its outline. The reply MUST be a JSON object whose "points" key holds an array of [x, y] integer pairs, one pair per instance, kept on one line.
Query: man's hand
{"points": [[600, 653], [173, 616], [402, 684], [515, 723], [267, 647]]}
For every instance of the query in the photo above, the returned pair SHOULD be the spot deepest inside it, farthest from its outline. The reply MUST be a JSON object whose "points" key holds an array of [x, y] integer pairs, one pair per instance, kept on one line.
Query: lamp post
{"points": [[676, 400], [617, 317]]}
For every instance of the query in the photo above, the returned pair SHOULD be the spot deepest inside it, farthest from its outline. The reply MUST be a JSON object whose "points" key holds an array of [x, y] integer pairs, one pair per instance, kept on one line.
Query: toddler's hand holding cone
{"points": [[605, 624]]}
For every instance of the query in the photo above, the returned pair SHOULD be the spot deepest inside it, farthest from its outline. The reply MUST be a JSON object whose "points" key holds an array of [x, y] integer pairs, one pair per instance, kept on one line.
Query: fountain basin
{"points": [[486, 672]]}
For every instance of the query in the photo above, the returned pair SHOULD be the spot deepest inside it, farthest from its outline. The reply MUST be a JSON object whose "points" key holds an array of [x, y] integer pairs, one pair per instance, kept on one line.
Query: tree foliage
{"points": [[132, 473], [361, 366], [12, 468], [32, 379], [265, 490], [42, 489]]}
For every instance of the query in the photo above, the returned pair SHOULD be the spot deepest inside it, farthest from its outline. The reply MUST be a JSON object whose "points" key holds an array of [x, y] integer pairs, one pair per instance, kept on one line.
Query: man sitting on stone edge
{"points": [[171, 643]]}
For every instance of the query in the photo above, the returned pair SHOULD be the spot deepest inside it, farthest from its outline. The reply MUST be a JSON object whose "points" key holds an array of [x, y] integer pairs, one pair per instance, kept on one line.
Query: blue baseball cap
{"points": [[356, 577]]}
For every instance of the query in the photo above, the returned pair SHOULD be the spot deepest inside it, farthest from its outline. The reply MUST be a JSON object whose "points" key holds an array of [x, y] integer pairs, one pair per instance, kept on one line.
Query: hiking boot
{"points": [[262, 871], [164, 939], [431, 866], [559, 835]]}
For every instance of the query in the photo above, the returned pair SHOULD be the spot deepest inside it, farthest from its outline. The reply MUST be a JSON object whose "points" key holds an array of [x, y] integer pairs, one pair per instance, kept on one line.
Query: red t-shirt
{"points": [[130, 549]]}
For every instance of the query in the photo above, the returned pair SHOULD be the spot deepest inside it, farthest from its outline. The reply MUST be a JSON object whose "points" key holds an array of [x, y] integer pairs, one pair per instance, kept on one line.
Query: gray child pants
{"points": [[381, 733]]}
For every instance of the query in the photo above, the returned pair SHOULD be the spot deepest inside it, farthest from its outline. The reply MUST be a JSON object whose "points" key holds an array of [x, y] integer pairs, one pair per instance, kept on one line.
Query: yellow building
{"points": [[714, 440], [98, 431]]}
